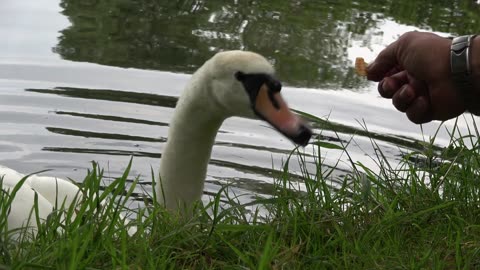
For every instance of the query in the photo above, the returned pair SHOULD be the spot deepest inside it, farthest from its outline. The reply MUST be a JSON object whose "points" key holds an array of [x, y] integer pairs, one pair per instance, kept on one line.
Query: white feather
{"points": [[212, 95]]}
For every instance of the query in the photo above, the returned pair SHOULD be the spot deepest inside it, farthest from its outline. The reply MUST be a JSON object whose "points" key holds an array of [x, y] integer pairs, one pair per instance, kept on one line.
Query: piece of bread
{"points": [[360, 66]]}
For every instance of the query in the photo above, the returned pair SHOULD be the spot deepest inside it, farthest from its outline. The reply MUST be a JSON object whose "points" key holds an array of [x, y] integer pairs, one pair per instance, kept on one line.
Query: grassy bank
{"points": [[423, 213]]}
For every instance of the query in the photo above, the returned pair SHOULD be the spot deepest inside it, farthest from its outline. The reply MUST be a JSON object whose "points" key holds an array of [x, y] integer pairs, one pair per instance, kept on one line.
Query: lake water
{"points": [[98, 80]]}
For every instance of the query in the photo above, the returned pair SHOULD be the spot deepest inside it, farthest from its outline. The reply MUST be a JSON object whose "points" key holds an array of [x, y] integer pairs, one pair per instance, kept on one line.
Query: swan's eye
{"points": [[252, 82], [239, 75]]}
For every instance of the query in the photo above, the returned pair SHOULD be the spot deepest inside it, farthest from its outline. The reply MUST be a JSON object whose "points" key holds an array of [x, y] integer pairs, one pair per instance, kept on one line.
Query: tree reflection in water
{"points": [[308, 40]]}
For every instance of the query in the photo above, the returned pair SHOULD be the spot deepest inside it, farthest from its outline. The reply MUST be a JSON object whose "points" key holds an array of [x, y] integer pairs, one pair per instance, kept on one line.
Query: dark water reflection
{"points": [[308, 40]]}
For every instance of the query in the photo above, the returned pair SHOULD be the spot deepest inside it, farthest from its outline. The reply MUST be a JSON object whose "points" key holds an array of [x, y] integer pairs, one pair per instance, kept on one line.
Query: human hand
{"points": [[414, 71]]}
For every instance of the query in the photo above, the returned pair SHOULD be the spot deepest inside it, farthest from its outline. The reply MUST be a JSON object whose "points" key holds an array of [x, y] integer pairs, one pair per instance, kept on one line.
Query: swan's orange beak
{"points": [[272, 108]]}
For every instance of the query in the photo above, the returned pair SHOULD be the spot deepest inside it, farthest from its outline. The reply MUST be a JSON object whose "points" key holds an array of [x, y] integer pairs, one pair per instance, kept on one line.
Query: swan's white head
{"points": [[243, 84], [233, 83]]}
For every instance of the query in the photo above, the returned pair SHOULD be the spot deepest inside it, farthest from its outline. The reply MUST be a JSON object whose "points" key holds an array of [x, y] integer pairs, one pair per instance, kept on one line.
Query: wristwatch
{"points": [[460, 62]]}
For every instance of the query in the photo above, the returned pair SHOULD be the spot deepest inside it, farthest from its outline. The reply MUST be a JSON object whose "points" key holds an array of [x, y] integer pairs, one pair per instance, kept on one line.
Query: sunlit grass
{"points": [[422, 213]]}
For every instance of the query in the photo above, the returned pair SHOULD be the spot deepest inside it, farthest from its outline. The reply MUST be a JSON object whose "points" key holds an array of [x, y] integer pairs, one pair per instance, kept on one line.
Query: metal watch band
{"points": [[460, 61]]}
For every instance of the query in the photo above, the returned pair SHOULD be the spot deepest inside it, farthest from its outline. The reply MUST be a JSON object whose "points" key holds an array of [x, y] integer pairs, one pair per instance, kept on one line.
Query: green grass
{"points": [[421, 214]]}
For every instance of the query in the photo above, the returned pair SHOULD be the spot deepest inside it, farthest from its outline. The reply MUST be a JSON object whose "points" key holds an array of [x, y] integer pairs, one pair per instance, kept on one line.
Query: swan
{"points": [[231, 83], [49, 192]]}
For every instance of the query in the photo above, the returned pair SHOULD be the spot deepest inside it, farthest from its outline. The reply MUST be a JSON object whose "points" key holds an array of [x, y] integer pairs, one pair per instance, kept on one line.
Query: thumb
{"points": [[385, 62]]}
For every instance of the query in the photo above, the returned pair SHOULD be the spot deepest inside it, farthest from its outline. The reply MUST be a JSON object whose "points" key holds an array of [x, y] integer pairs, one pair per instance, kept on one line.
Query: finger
{"points": [[421, 88], [385, 62], [394, 70], [420, 111], [404, 97], [390, 85]]}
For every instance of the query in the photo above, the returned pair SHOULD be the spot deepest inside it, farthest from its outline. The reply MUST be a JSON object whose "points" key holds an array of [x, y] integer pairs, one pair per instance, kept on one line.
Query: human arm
{"points": [[414, 71]]}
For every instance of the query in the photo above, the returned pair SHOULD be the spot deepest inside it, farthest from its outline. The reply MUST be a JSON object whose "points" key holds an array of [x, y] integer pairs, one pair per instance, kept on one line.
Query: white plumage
{"points": [[215, 92]]}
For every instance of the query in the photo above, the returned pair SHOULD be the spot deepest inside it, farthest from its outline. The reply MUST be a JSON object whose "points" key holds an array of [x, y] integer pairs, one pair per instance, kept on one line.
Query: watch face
{"points": [[460, 59], [460, 43]]}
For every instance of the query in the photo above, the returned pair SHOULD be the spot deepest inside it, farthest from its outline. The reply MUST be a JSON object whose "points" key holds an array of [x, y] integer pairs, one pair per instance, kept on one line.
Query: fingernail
{"points": [[380, 88], [404, 93], [387, 86]]}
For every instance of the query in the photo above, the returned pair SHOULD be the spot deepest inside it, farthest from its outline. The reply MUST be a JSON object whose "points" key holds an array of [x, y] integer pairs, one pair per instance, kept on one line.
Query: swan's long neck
{"points": [[185, 158]]}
